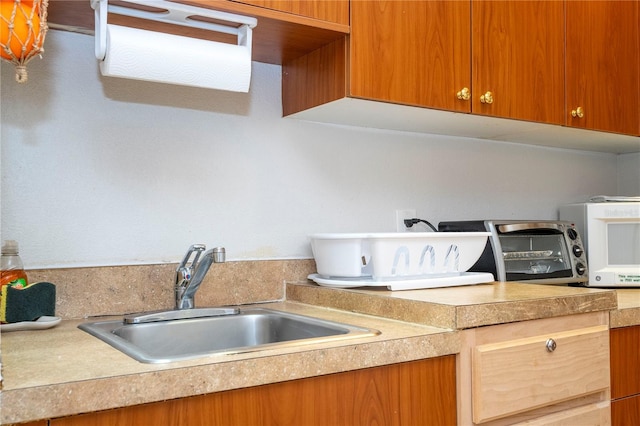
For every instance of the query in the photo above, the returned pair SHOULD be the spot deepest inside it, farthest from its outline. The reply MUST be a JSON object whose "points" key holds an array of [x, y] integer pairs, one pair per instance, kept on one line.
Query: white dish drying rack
{"points": [[398, 261]]}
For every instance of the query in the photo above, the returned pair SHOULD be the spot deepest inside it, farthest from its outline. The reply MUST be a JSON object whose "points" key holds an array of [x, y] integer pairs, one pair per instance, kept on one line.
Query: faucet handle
{"points": [[184, 272]]}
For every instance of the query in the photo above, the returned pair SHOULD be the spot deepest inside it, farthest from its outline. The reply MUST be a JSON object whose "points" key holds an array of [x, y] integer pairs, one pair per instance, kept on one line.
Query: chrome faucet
{"points": [[189, 275]]}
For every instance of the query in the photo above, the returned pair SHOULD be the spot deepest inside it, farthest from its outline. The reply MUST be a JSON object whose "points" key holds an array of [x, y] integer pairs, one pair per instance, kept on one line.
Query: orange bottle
{"points": [[11, 268]]}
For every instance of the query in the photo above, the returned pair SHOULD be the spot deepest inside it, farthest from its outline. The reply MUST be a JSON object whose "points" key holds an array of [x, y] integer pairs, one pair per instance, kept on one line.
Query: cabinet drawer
{"points": [[588, 415], [518, 375]]}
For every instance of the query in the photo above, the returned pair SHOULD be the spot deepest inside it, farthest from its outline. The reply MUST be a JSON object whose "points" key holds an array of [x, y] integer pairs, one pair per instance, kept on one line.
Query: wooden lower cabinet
{"points": [[625, 375], [413, 393], [625, 411], [549, 371]]}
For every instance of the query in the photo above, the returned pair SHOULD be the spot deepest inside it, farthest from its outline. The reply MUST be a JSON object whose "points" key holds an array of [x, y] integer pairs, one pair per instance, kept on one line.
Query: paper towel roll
{"points": [[154, 56]]}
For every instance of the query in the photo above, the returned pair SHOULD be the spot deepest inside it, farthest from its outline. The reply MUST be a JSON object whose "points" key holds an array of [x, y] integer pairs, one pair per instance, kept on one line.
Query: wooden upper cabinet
{"points": [[518, 56], [603, 65], [527, 60], [410, 52], [325, 10]]}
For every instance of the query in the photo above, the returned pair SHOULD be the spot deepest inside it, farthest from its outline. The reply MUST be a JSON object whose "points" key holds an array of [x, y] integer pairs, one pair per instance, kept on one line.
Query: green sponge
{"points": [[27, 304]]}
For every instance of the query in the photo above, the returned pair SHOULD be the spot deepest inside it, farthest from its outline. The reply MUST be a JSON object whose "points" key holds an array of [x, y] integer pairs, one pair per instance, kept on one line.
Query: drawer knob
{"points": [[551, 345]]}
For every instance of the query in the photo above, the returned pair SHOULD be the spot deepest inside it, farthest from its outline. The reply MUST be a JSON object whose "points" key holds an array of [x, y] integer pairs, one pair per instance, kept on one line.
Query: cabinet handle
{"points": [[578, 112], [464, 94], [487, 98], [551, 345]]}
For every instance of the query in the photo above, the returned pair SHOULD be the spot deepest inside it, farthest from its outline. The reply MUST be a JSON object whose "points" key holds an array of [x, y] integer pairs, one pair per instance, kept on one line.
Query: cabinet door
{"points": [[603, 65], [625, 375], [626, 411], [410, 52], [625, 361], [518, 57], [326, 10], [414, 393]]}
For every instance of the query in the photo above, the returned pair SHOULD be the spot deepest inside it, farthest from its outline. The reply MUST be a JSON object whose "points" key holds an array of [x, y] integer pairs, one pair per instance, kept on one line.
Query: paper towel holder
{"points": [[171, 13]]}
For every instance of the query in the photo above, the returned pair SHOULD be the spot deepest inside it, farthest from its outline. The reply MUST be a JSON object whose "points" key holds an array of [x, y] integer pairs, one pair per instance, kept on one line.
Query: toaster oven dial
{"points": [[580, 268], [577, 251], [572, 233]]}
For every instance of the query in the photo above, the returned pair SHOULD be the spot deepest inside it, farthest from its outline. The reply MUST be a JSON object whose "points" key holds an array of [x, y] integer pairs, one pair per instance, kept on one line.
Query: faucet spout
{"points": [[189, 278]]}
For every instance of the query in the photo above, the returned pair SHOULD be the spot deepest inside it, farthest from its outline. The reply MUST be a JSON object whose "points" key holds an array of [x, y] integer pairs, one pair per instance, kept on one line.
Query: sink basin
{"points": [[156, 340]]}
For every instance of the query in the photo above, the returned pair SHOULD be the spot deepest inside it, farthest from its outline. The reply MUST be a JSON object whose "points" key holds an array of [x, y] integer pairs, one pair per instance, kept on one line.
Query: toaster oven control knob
{"points": [[580, 268], [572, 233], [577, 251]]}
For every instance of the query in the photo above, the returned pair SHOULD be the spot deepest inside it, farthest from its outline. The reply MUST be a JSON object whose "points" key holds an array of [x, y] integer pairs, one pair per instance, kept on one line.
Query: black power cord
{"points": [[410, 222]]}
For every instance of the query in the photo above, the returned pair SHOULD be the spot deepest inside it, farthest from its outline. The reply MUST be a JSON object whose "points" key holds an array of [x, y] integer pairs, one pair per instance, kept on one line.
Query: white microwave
{"points": [[610, 232]]}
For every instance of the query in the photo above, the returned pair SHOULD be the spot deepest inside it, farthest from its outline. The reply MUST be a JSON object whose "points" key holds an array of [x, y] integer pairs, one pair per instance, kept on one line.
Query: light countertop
{"points": [[463, 307], [68, 371], [628, 311]]}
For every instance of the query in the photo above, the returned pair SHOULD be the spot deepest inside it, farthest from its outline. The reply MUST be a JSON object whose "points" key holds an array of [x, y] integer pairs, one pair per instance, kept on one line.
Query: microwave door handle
{"points": [[515, 227]]}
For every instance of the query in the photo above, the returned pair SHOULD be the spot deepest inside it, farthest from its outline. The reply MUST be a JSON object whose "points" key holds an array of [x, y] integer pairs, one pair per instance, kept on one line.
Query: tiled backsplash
{"points": [[116, 290]]}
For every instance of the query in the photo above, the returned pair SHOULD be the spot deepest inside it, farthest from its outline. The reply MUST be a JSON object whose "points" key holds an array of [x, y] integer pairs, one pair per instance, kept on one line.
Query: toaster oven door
{"points": [[535, 254]]}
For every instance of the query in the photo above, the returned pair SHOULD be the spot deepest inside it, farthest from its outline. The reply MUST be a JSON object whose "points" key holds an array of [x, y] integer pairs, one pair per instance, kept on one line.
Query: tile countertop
{"points": [[88, 375]]}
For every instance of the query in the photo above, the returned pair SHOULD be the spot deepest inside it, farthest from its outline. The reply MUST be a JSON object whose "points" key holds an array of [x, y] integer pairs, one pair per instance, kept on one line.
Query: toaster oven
{"points": [[545, 252]]}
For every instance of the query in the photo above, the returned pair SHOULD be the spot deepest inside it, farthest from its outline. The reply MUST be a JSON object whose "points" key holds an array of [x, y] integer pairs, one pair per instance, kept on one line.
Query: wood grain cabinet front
{"points": [[625, 375], [406, 52], [414, 393], [518, 60], [410, 52], [504, 59], [567, 63], [336, 11], [543, 371], [508, 63], [603, 65]]}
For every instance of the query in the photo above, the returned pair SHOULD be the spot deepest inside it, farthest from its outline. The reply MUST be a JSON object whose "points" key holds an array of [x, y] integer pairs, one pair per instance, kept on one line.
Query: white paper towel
{"points": [[154, 56]]}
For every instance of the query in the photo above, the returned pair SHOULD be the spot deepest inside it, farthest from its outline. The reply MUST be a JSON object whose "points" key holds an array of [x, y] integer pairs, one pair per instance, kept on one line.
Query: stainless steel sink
{"points": [[157, 338]]}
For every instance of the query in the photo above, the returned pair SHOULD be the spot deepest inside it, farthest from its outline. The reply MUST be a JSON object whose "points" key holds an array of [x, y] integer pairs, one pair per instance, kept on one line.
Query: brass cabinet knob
{"points": [[487, 98], [464, 94], [578, 112]]}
